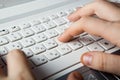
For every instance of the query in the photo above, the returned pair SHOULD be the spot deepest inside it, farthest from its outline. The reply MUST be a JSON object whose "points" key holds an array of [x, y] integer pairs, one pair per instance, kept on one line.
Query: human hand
{"points": [[18, 68], [107, 25]]}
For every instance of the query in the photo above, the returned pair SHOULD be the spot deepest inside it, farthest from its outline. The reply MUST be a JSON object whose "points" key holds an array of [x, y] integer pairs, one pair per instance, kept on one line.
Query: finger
{"points": [[93, 26], [102, 61], [103, 9], [75, 16], [18, 66], [75, 76]]}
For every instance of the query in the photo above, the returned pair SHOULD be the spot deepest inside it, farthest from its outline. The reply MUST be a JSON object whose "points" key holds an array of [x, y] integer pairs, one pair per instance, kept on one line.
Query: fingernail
{"points": [[87, 59]]}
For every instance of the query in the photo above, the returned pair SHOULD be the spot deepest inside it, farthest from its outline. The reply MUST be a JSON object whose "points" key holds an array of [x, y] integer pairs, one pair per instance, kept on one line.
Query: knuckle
{"points": [[84, 19]]}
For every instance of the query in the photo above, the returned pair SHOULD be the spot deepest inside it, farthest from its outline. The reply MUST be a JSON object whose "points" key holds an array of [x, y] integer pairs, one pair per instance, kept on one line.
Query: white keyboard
{"points": [[46, 55]]}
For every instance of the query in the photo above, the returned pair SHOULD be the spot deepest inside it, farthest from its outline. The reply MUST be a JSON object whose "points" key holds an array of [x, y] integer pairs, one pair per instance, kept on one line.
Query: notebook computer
{"points": [[33, 26]]}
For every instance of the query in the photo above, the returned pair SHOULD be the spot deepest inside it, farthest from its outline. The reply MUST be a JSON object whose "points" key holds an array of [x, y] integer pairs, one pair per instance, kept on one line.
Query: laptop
{"points": [[34, 25]]}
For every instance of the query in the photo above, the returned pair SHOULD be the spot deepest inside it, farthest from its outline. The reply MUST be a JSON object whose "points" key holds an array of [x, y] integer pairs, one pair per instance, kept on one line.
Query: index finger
{"points": [[93, 26]]}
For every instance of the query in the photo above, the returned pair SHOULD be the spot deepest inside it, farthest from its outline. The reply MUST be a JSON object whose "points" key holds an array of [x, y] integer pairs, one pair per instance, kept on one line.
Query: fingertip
{"points": [[75, 16], [71, 18], [65, 37]]}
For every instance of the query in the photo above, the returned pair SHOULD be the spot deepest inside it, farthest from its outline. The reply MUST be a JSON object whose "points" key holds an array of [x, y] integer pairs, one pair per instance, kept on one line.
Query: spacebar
{"points": [[59, 64]]}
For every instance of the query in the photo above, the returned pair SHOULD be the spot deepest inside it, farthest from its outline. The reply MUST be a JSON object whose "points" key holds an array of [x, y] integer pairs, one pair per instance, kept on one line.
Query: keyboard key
{"points": [[60, 21], [3, 32], [95, 47], [70, 11], [54, 16], [25, 25], [58, 42], [106, 44], [51, 33], [45, 19], [14, 36], [62, 13], [53, 54], [3, 51], [12, 46], [66, 18], [50, 43], [27, 42], [38, 48], [27, 32], [27, 52], [39, 37], [35, 22], [38, 59], [86, 40], [14, 28], [96, 38], [58, 64], [64, 49], [83, 34], [50, 25], [114, 49], [38, 28], [75, 44], [61, 29], [3, 41]]}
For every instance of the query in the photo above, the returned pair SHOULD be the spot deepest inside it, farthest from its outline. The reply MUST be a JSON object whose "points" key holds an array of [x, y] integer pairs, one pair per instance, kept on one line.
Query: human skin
{"points": [[105, 25], [83, 21]]}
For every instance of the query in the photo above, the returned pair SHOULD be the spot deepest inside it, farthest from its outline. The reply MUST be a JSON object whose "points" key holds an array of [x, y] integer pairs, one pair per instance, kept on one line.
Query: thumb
{"points": [[102, 61]]}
